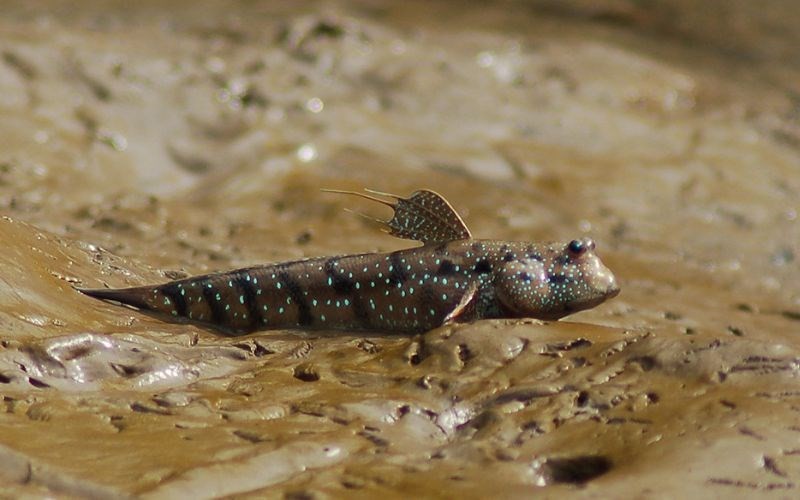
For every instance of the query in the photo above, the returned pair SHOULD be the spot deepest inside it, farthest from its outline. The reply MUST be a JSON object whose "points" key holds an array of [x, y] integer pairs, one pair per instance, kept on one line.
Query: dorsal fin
{"points": [[424, 216]]}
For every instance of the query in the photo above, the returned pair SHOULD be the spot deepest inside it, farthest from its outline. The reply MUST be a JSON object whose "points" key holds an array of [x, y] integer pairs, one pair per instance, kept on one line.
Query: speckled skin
{"points": [[409, 290], [406, 291]]}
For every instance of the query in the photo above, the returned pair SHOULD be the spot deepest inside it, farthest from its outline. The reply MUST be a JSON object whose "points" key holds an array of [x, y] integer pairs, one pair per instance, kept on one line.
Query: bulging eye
{"points": [[579, 247]]}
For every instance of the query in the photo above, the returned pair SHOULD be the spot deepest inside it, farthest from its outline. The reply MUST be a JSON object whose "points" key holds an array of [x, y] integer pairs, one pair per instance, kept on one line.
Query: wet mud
{"points": [[146, 143]]}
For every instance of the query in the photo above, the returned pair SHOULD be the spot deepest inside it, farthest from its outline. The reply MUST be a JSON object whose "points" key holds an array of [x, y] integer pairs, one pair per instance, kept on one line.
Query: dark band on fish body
{"points": [[360, 310], [341, 284], [427, 297], [557, 279], [509, 257], [446, 268], [173, 293], [483, 266], [217, 307], [344, 285], [304, 317], [244, 283], [398, 274]]}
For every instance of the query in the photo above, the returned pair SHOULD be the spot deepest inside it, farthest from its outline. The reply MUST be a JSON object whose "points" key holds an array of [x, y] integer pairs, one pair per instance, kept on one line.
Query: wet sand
{"points": [[146, 143]]}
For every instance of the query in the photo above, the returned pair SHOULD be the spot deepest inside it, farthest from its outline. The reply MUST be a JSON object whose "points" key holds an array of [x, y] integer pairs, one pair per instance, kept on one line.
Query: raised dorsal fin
{"points": [[424, 216]]}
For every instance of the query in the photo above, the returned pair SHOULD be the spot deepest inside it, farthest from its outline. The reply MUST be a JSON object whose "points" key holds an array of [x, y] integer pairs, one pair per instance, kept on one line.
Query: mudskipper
{"points": [[451, 278]]}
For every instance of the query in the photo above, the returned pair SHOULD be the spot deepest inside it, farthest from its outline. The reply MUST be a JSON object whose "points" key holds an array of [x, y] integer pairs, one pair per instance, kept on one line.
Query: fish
{"points": [[451, 278]]}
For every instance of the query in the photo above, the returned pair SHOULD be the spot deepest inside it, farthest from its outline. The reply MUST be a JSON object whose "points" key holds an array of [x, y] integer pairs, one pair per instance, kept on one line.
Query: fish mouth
{"points": [[612, 288]]}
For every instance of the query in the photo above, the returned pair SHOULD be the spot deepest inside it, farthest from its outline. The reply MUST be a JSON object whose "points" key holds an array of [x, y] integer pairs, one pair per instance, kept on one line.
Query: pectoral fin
{"points": [[424, 216], [466, 308]]}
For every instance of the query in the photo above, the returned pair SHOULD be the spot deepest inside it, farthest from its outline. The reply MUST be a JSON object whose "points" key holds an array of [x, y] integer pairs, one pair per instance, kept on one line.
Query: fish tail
{"points": [[138, 297], [211, 299]]}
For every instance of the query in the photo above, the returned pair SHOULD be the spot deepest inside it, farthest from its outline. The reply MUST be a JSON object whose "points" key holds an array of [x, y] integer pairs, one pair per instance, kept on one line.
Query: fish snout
{"points": [[604, 282], [612, 288]]}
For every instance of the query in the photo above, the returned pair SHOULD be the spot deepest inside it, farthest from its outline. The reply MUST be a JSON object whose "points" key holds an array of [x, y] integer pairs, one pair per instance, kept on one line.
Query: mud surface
{"points": [[141, 143]]}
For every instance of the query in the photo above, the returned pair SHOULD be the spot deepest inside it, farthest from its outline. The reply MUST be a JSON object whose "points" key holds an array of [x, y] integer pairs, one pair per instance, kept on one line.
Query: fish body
{"points": [[451, 278]]}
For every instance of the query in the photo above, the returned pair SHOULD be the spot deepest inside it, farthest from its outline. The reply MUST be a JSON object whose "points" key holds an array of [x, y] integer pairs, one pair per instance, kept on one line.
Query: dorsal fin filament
{"points": [[424, 216]]}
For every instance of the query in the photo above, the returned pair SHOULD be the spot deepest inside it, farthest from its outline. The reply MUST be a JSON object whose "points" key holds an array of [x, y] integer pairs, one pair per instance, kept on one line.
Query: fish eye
{"points": [[577, 247]]}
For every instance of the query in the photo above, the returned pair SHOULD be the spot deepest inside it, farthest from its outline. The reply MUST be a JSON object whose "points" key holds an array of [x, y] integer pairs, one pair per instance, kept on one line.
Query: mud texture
{"points": [[143, 142]]}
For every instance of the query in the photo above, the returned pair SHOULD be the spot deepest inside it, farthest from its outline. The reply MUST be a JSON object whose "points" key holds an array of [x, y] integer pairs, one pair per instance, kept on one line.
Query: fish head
{"points": [[561, 279]]}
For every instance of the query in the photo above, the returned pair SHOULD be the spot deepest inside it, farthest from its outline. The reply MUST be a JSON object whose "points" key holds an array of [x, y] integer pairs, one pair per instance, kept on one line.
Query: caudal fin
{"points": [[135, 297]]}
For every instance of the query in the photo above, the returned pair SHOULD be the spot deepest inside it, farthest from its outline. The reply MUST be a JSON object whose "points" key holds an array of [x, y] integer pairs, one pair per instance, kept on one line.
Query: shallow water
{"points": [[145, 143]]}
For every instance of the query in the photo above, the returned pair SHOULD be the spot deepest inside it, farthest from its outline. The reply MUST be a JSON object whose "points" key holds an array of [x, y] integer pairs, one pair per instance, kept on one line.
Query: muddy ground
{"points": [[142, 142]]}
